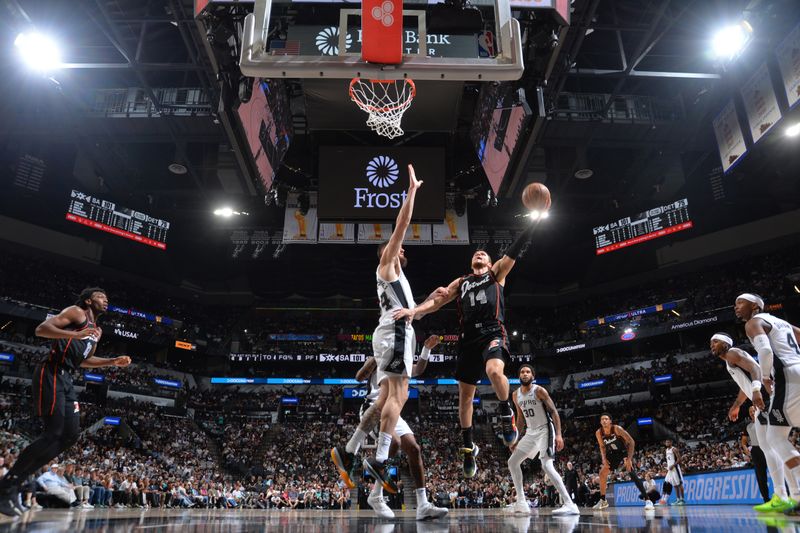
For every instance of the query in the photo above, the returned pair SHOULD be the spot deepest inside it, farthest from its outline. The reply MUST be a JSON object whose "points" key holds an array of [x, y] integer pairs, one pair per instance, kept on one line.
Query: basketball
{"points": [[536, 197]]}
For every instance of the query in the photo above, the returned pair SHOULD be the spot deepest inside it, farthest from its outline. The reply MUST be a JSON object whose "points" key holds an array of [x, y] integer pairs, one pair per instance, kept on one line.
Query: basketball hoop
{"points": [[385, 101]]}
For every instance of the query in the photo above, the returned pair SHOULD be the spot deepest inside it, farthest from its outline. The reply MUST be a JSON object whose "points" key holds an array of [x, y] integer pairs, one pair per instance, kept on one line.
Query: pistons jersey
{"points": [[532, 408], [393, 295], [72, 352], [782, 340], [613, 443], [481, 306]]}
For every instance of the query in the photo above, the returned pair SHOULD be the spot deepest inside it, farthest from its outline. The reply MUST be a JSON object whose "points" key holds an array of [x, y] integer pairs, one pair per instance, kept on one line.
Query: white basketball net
{"points": [[385, 101]]}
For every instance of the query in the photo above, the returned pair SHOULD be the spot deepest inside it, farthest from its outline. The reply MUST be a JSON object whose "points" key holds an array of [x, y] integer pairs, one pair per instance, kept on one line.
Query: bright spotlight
{"points": [[793, 131], [628, 330], [731, 40], [226, 212], [545, 214], [514, 333], [534, 215], [38, 51]]}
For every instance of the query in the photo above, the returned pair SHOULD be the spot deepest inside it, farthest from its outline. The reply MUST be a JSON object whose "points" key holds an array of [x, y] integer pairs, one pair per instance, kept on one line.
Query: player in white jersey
{"points": [[674, 477], [542, 437], [393, 340], [775, 340], [403, 438], [748, 375]]}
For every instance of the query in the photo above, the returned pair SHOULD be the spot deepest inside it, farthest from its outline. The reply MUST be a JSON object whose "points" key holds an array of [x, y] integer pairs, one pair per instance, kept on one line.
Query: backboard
{"points": [[340, 58]]}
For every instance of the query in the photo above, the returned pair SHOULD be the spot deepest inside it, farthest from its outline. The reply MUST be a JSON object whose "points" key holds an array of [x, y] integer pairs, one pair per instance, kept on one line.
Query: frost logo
{"points": [[327, 41], [382, 171]]}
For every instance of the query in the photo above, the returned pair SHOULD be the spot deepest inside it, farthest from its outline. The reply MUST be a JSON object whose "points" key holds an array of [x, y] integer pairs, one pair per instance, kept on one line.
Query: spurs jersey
{"points": [[71, 352], [532, 408], [481, 306], [741, 377], [392, 296], [782, 340], [670, 457]]}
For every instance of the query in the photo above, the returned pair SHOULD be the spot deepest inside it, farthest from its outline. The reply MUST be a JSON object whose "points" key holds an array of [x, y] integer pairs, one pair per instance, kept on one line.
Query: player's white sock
{"points": [[555, 477], [354, 444], [515, 467], [422, 497], [384, 441], [377, 490]]}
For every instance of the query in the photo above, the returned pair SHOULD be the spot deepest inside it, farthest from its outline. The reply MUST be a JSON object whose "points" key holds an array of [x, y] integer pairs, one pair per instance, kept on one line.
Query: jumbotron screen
{"points": [[107, 216], [651, 224]]}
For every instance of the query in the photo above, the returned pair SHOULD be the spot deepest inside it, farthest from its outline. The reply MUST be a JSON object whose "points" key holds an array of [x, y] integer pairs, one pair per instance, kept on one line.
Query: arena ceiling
{"points": [[616, 56]]}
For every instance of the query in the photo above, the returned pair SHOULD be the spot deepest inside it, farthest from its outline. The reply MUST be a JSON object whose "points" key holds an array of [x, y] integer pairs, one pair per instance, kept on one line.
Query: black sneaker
{"points": [[380, 471], [509, 428], [8, 503], [470, 466], [346, 464]]}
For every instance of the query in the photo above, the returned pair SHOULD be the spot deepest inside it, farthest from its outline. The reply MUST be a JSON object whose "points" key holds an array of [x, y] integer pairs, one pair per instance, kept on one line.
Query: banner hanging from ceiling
{"points": [[760, 103], [299, 228], [730, 138], [418, 234], [338, 233], [454, 230], [788, 53], [374, 233]]}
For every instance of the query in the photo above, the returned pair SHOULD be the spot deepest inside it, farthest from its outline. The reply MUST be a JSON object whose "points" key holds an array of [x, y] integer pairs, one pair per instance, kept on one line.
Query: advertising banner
{"points": [[299, 228], [337, 233], [734, 487], [454, 230]]}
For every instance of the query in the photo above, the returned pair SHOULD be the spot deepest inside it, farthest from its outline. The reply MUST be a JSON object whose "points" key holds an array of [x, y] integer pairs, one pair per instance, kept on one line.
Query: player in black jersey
{"points": [[75, 336], [616, 447], [483, 344]]}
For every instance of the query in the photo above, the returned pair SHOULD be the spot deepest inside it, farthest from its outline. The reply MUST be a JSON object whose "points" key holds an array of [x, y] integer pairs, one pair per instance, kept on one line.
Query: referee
{"points": [[756, 454], [75, 336]]}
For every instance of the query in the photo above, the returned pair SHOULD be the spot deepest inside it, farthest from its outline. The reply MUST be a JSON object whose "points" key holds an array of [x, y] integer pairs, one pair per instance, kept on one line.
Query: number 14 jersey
{"points": [[481, 306]]}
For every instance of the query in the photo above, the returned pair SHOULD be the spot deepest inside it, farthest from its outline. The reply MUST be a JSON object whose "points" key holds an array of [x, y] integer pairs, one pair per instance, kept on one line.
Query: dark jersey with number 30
{"points": [[481, 306]]}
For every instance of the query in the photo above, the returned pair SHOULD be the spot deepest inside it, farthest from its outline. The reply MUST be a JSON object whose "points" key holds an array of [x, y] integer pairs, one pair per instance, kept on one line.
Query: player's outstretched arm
{"points": [[97, 362], [432, 304], [544, 396], [503, 266], [403, 220], [366, 369], [419, 367]]}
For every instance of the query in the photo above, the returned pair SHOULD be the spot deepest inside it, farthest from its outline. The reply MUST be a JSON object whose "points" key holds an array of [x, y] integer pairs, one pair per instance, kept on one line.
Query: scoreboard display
{"points": [[651, 224], [107, 216]]}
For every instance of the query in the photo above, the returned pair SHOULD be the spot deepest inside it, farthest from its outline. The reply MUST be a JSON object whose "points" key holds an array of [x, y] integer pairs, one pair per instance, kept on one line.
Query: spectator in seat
{"points": [[54, 483]]}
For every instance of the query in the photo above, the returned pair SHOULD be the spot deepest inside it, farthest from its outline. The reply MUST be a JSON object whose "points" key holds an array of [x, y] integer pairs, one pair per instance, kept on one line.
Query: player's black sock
{"points": [[638, 483], [466, 435]]}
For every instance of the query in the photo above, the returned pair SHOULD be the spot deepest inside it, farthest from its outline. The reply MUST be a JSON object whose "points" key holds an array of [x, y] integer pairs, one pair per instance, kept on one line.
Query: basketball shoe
{"points": [[346, 464], [380, 471], [470, 466]]}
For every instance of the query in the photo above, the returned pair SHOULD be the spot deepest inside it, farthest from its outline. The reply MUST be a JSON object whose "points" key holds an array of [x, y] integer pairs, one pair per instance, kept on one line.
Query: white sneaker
{"points": [[428, 510], [518, 507], [378, 505], [36, 507], [601, 504], [87, 505], [648, 505], [567, 509]]}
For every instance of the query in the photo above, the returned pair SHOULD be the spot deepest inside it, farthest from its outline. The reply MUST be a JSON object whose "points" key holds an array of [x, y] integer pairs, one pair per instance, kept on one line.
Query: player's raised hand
{"points": [[413, 182], [431, 342], [122, 360], [404, 313]]}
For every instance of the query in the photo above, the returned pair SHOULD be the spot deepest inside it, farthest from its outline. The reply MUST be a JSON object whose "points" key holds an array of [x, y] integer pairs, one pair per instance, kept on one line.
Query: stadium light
{"points": [[228, 212], [538, 215], [731, 40], [38, 51], [793, 131]]}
